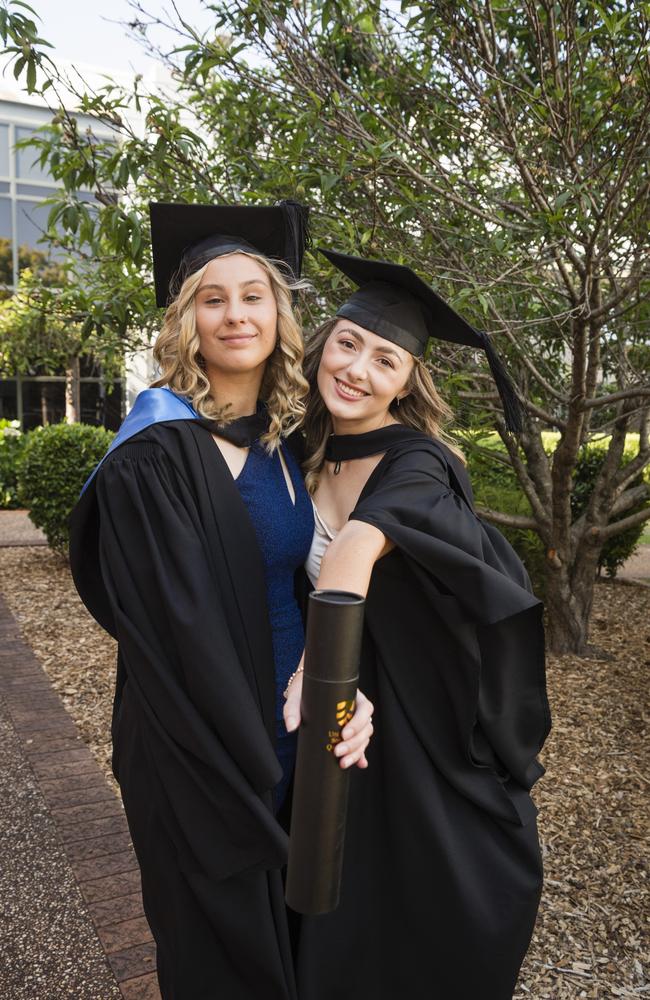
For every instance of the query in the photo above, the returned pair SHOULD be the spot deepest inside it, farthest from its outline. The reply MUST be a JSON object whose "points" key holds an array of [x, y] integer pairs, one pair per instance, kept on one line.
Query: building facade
{"points": [[38, 397]]}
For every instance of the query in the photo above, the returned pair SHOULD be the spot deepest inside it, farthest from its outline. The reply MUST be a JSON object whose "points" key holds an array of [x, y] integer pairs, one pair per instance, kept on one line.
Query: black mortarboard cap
{"points": [[185, 237], [393, 302]]}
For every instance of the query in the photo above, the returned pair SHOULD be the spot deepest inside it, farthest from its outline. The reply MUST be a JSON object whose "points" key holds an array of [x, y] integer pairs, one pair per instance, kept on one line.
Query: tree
{"points": [[42, 330], [82, 296], [502, 149]]}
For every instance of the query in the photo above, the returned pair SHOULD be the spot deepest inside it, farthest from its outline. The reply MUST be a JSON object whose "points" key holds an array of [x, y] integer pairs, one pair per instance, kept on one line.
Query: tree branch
{"points": [[507, 520], [629, 472], [614, 397], [527, 484], [629, 499], [618, 527]]}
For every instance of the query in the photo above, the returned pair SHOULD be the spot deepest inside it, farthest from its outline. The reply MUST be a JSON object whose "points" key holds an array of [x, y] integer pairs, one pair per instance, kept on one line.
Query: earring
{"points": [[398, 398]]}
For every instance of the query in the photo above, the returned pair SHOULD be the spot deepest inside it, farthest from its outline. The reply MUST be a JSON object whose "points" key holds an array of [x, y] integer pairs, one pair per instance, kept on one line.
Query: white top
{"points": [[323, 535]]}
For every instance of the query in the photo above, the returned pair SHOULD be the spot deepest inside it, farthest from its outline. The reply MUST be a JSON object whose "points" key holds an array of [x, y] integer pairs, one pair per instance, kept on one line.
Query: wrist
{"points": [[295, 674]]}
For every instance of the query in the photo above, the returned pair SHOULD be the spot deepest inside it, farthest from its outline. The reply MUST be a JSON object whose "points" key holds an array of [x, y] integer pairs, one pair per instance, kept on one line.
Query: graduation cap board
{"points": [[393, 302], [185, 237]]}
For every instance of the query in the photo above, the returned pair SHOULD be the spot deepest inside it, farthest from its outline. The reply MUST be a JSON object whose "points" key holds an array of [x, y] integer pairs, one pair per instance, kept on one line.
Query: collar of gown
{"points": [[242, 432], [345, 447]]}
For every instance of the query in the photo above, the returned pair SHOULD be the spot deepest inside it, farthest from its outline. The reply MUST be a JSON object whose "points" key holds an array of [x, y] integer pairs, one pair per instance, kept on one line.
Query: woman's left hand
{"points": [[355, 735]]}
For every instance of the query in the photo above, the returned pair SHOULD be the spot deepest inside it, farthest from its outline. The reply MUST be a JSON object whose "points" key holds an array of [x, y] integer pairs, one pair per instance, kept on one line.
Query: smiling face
{"points": [[359, 376], [236, 316]]}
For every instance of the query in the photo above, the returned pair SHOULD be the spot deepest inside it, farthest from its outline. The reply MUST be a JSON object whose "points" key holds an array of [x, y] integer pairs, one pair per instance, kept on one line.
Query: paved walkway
{"points": [[637, 566], [17, 529], [71, 919]]}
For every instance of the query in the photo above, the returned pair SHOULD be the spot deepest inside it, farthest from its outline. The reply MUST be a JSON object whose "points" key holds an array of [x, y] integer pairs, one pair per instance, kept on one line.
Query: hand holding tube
{"points": [[355, 735]]}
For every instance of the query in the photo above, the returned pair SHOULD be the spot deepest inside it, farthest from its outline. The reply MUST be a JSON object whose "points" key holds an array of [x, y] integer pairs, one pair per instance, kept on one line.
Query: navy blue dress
{"points": [[284, 531]]}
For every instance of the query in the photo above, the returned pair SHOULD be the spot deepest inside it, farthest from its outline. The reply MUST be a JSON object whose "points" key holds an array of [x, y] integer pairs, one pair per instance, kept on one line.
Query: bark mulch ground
{"points": [[594, 802]]}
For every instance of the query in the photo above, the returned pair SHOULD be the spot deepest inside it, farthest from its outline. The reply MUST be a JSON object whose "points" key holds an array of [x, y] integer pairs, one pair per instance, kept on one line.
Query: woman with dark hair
{"points": [[184, 546], [442, 870]]}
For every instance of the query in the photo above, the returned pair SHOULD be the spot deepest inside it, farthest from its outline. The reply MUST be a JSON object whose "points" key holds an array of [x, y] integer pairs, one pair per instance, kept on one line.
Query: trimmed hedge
{"points": [[56, 462], [12, 446]]}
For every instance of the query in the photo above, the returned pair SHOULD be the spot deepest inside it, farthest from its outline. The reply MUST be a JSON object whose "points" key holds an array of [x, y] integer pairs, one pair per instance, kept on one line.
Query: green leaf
{"points": [[31, 75], [328, 181]]}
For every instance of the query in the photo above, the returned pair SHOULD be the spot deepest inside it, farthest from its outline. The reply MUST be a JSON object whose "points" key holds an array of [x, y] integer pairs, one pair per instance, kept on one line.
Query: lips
{"points": [[240, 338], [348, 391]]}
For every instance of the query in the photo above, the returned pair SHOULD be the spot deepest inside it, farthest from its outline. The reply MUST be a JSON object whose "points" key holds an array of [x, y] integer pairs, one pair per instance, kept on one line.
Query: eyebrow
{"points": [[243, 284], [377, 350]]}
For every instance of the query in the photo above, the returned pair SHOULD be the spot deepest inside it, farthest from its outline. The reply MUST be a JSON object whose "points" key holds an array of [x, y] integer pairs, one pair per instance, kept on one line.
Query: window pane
{"points": [[89, 368], [6, 258], [43, 403], [25, 166], [92, 403], [99, 406], [36, 190], [31, 222], [4, 187], [5, 218], [8, 400], [4, 150], [113, 407]]}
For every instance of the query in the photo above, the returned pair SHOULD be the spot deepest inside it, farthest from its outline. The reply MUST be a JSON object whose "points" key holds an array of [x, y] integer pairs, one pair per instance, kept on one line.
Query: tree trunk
{"points": [[569, 598], [72, 391]]}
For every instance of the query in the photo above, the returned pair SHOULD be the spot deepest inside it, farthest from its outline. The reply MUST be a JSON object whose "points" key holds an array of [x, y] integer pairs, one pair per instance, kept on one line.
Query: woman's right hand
{"points": [[355, 735]]}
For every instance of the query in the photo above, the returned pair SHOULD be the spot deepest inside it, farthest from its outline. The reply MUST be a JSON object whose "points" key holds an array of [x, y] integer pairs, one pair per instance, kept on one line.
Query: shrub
{"points": [[496, 486], [56, 463], [12, 445], [619, 548]]}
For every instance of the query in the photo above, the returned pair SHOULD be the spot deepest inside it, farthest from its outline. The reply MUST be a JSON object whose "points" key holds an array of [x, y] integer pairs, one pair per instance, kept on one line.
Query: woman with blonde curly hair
{"points": [[184, 546], [442, 868]]}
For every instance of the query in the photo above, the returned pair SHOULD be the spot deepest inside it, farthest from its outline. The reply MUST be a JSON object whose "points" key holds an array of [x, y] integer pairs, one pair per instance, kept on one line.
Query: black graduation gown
{"points": [[442, 869], [165, 557]]}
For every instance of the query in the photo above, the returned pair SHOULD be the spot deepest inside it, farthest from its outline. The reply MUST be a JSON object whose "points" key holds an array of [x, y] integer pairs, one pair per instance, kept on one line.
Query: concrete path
{"points": [[71, 918], [17, 529], [637, 566]]}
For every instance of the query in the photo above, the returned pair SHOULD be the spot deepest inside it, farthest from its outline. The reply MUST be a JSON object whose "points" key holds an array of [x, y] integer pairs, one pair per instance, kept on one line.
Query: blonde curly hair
{"points": [[284, 388], [422, 408]]}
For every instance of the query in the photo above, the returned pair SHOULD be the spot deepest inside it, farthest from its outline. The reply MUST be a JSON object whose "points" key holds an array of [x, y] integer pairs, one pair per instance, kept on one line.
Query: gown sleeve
{"points": [[415, 506], [183, 684], [469, 585]]}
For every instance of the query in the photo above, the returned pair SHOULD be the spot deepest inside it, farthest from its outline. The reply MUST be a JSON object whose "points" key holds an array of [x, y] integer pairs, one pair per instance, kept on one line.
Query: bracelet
{"points": [[285, 694]]}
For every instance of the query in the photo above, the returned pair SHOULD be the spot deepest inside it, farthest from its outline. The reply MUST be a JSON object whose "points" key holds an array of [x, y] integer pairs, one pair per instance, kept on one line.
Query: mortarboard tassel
{"points": [[512, 409], [297, 239]]}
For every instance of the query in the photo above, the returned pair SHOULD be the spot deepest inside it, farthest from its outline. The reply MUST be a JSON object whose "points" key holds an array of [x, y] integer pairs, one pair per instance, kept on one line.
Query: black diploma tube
{"points": [[320, 792]]}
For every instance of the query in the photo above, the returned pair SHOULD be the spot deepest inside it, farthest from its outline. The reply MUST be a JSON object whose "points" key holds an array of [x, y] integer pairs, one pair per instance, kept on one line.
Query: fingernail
{"points": [[346, 763], [291, 723], [340, 749], [347, 733]]}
